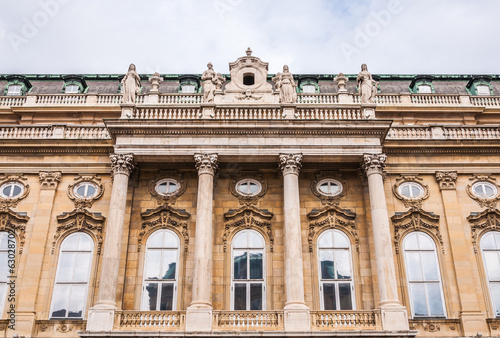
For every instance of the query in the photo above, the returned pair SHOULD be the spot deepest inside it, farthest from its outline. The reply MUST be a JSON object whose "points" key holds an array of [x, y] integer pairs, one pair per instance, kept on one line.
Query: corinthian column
{"points": [[394, 315], [101, 316], [199, 313], [297, 316]]}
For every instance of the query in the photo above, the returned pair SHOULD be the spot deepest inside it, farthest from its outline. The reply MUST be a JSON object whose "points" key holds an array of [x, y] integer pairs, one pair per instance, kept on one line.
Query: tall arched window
{"points": [[248, 275], [69, 297], [160, 272], [335, 271], [6, 241], [424, 279], [490, 246]]}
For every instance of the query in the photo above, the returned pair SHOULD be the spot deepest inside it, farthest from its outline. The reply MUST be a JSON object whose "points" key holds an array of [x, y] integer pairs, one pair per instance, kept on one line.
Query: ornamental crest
{"points": [[248, 217], [416, 220], [482, 222], [330, 198], [412, 195], [19, 180], [479, 190], [11, 221]]}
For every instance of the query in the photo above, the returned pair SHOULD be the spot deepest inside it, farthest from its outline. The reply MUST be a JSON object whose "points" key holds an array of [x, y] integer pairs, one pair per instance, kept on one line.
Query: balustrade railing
{"points": [[248, 320], [12, 101], [61, 99], [167, 113], [317, 98], [329, 114], [54, 132], [150, 320], [180, 98], [345, 320], [444, 133], [435, 99], [485, 101], [109, 99], [236, 113]]}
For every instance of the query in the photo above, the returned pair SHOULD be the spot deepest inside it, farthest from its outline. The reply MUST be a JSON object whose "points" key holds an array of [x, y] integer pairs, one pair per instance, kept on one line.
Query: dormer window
{"points": [[483, 90], [74, 84], [308, 84], [14, 89], [188, 89], [72, 89], [422, 84], [424, 89], [309, 89], [248, 79], [189, 84], [480, 85], [17, 85]]}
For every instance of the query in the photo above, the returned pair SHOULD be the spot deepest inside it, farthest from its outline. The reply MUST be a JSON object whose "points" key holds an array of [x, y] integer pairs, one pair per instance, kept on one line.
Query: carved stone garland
{"points": [[248, 217], [169, 198], [332, 217], [81, 203], [329, 200], [11, 221], [80, 220], [415, 220], [164, 217], [482, 222]]}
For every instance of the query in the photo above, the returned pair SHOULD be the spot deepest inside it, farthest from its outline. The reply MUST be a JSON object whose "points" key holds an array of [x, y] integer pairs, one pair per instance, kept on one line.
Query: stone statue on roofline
{"points": [[284, 82], [212, 81], [131, 84], [367, 87]]}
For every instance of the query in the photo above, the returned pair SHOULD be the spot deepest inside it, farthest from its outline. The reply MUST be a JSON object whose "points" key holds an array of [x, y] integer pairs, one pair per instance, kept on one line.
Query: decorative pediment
{"points": [[482, 222], [332, 217], [80, 220], [248, 217], [11, 221], [164, 217], [416, 220]]}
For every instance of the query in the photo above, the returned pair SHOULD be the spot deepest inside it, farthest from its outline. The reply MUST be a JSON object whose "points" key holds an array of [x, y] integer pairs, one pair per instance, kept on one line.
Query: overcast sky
{"points": [[311, 36]]}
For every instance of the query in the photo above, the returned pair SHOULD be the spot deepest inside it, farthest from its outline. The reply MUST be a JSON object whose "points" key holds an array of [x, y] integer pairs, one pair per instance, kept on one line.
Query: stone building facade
{"points": [[249, 204]]}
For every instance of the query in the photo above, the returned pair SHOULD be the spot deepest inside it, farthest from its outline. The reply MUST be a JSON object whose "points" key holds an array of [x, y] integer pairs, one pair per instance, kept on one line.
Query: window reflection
{"points": [[490, 246]]}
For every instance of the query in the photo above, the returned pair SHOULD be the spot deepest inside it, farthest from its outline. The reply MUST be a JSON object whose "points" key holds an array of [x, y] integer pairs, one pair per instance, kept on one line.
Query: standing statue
{"points": [[131, 84], [211, 82], [284, 82], [367, 87]]}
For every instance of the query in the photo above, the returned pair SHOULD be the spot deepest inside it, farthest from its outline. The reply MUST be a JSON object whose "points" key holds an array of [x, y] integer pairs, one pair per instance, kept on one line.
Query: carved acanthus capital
{"points": [[290, 163], [447, 179], [374, 163], [49, 179], [206, 163], [122, 164]]}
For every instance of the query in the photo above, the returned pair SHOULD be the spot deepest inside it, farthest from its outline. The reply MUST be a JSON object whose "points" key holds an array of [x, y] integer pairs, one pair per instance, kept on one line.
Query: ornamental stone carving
{"points": [[374, 163], [414, 202], [284, 82], [333, 199], [367, 87], [248, 199], [49, 179], [155, 81], [85, 202], [14, 222], [122, 164], [167, 199], [11, 202], [290, 163], [485, 202], [131, 83], [482, 222], [447, 179], [341, 81], [206, 163]]}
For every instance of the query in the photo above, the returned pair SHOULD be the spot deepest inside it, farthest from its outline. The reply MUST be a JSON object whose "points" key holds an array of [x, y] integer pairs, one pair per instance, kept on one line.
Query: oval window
{"points": [[85, 190], [329, 187], [248, 187], [167, 187], [11, 189], [411, 190], [484, 190]]}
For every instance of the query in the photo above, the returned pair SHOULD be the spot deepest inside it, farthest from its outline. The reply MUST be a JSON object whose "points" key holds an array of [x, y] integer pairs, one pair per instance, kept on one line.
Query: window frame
{"points": [[329, 181], [14, 183], [249, 281], [495, 307], [484, 183], [336, 282], [247, 181], [168, 181], [86, 183], [411, 184], [14, 93]]}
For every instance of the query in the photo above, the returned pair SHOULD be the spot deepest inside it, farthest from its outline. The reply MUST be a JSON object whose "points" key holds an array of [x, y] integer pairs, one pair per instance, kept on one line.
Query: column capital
{"points": [[49, 179], [206, 163], [290, 163], [447, 179], [122, 164], [374, 163]]}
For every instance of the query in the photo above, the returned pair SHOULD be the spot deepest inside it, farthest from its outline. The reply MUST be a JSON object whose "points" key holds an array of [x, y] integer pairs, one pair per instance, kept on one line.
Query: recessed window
{"points": [[14, 90], [483, 90], [411, 190], [490, 246], [248, 79], [85, 190], [484, 190], [248, 187], [167, 187], [11, 189], [329, 187], [187, 89], [424, 89], [310, 89]]}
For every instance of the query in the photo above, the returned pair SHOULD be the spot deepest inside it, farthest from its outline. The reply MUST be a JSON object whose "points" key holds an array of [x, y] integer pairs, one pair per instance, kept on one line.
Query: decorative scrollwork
{"points": [[81, 203], [374, 163], [49, 179], [12, 221], [447, 179], [248, 217], [164, 217], [332, 217], [206, 163], [416, 220], [290, 163], [6, 203], [413, 202], [489, 203], [170, 198], [122, 164], [482, 222], [329, 199]]}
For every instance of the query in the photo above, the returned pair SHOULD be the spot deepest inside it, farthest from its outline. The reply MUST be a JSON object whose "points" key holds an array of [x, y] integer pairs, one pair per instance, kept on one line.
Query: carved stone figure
{"points": [[212, 81], [131, 83], [155, 81], [341, 80], [284, 82], [367, 87]]}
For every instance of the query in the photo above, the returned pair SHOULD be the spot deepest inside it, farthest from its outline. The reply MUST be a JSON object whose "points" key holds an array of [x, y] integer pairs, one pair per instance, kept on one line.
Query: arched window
{"points": [[490, 246], [335, 271], [69, 297], [160, 272], [6, 241], [248, 275], [424, 279]]}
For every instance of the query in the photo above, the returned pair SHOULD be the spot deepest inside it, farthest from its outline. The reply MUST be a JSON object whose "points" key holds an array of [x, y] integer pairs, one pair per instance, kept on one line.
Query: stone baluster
{"points": [[394, 316], [101, 316], [199, 312], [297, 316]]}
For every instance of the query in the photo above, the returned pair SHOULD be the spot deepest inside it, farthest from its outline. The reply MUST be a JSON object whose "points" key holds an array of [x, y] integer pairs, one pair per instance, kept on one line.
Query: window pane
{"points": [[413, 266], [240, 296], [81, 272], [326, 240], [169, 264], [345, 297], [495, 295], [167, 297], [90, 190], [71, 243], [424, 242], [329, 296], [339, 240], [156, 240], [162, 188], [151, 295], [59, 300], [240, 240], [153, 259], [256, 271], [84, 243], [255, 296], [253, 188], [415, 191], [419, 299], [405, 191], [324, 188], [170, 240], [17, 190], [488, 241], [77, 301], [343, 266], [489, 192], [492, 265], [255, 240], [81, 190], [4, 240], [430, 266], [240, 264], [435, 301], [327, 266], [4, 269], [66, 267]]}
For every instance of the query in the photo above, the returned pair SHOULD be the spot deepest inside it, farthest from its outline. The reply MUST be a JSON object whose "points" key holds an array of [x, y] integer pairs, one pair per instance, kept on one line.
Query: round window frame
{"points": [[94, 195], [248, 180], [420, 187], [331, 180], [491, 185], [15, 183], [169, 180]]}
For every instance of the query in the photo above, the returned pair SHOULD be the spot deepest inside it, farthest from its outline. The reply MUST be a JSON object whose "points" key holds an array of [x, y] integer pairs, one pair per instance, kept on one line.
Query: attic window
{"points": [[483, 90], [72, 89], [424, 89], [309, 88], [188, 89], [14, 90], [248, 79]]}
